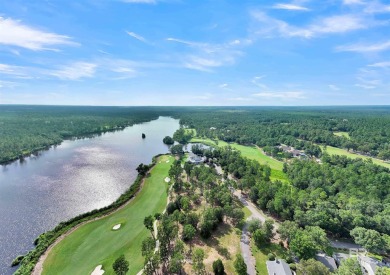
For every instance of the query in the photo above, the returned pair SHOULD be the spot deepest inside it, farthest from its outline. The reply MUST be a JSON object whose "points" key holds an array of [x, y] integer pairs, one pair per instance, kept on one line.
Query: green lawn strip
{"points": [[96, 243], [342, 134], [342, 152], [251, 152], [261, 255]]}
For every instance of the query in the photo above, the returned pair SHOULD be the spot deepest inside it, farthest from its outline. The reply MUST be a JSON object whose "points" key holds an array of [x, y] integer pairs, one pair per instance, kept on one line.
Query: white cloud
{"points": [[332, 24], [140, 1], [136, 36], [14, 33], [365, 48], [289, 7], [256, 81], [222, 86], [205, 56], [282, 95], [364, 86], [333, 87], [384, 64], [353, 2], [240, 99], [205, 96], [75, 71]]}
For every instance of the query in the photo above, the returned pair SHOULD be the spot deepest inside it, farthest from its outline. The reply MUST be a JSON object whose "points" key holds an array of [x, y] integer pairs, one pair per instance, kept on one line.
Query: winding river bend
{"points": [[70, 179]]}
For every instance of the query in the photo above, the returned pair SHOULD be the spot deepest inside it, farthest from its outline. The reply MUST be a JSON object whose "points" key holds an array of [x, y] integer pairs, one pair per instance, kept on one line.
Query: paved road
{"points": [[246, 253]]}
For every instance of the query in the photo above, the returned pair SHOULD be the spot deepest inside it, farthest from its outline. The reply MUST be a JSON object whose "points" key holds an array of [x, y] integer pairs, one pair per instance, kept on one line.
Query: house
{"points": [[195, 158], [339, 257], [329, 262], [278, 267], [369, 264]]}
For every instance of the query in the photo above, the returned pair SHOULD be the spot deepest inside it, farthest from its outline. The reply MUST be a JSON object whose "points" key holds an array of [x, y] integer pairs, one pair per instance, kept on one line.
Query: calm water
{"points": [[73, 178]]}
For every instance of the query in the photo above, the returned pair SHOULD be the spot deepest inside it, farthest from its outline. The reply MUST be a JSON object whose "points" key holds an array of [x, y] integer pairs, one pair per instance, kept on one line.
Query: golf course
{"points": [[250, 152], [343, 152], [98, 243]]}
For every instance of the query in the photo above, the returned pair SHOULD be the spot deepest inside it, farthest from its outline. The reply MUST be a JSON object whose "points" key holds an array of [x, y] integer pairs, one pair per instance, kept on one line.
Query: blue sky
{"points": [[177, 52]]}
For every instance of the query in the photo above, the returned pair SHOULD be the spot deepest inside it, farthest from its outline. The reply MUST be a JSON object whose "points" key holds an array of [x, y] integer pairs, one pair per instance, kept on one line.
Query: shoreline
{"points": [[89, 135], [35, 266]]}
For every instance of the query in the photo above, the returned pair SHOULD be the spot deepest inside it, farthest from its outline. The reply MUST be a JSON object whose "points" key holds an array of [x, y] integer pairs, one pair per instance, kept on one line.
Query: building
{"points": [[329, 262], [195, 159], [339, 257], [369, 265], [278, 267]]}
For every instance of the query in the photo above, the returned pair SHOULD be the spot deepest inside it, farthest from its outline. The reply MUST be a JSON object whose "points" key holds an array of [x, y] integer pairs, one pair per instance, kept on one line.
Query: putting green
{"points": [[96, 243]]}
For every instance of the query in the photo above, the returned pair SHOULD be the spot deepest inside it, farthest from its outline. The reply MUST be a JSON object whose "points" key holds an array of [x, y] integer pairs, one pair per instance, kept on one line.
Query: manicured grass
{"points": [[342, 134], [337, 151], [191, 131], [261, 255], [96, 243], [251, 152]]}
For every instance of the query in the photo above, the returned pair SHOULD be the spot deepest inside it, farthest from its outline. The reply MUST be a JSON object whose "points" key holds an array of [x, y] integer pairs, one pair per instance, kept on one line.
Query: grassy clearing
{"points": [[342, 152], [342, 134], [251, 152], [224, 245], [96, 243], [261, 255]]}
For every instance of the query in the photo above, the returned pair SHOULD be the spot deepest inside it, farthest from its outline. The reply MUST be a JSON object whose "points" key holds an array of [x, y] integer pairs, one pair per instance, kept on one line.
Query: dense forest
{"points": [[345, 197], [368, 128], [26, 129]]}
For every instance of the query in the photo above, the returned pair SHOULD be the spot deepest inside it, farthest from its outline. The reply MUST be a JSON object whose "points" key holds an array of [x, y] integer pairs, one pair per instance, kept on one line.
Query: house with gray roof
{"points": [[329, 262], [278, 267]]}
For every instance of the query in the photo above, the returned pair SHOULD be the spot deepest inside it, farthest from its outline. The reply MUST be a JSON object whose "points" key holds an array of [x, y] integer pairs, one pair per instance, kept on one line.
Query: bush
{"points": [[293, 267], [271, 257], [218, 267], [171, 207]]}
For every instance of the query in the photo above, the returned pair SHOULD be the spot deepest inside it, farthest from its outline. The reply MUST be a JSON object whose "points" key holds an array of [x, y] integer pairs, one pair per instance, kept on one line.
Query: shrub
{"points": [[271, 257], [218, 267]]}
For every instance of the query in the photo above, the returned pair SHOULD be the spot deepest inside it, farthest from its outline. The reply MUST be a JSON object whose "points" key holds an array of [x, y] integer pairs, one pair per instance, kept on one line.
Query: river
{"points": [[69, 179]]}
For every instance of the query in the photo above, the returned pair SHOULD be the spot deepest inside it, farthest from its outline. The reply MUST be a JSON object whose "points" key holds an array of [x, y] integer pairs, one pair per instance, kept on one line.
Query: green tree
{"points": [[303, 245], [311, 267], [148, 222], [142, 169], [168, 140], [240, 265], [370, 239], [349, 266], [259, 238], [120, 266], [218, 267], [177, 149], [197, 260], [382, 271], [188, 232], [253, 225]]}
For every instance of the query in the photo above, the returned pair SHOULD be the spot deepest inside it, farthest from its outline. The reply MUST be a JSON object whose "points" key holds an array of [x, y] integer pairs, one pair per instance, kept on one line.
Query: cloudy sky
{"points": [[198, 52]]}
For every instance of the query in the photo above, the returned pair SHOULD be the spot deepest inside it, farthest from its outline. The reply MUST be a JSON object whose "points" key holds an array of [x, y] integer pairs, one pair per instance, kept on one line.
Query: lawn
{"points": [[342, 134], [96, 243], [261, 255], [251, 152], [337, 151]]}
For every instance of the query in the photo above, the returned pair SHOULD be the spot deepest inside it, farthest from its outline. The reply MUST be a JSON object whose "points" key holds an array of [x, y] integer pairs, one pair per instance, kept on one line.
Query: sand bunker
{"points": [[98, 270], [167, 179], [167, 161], [116, 227]]}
